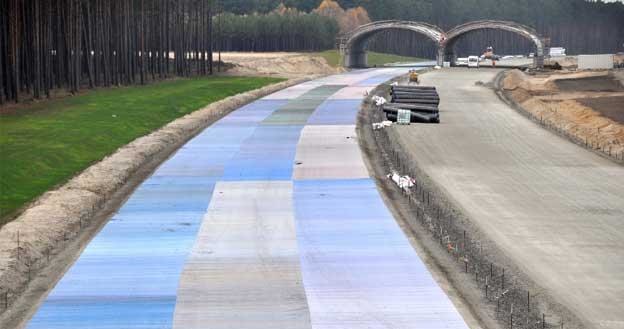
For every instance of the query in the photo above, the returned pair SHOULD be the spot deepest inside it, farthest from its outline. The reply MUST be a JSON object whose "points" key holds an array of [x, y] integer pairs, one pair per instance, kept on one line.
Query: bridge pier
{"points": [[356, 59], [440, 56], [538, 62]]}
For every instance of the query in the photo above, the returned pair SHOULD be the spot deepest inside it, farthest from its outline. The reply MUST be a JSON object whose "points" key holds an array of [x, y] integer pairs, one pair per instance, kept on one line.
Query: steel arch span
{"points": [[354, 43], [446, 46]]}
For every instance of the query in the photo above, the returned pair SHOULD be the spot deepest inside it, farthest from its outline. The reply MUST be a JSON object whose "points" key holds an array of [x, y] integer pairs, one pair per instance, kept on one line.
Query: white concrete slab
{"points": [[244, 270], [329, 152], [352, 93], [294, 91]]}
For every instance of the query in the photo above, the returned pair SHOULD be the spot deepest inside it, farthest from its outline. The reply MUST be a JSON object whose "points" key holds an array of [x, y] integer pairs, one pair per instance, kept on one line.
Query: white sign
{"points": [[404, 117]]}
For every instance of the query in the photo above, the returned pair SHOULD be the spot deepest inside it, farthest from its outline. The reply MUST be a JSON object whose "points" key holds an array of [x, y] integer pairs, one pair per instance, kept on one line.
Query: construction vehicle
{"points": [[413, 76], [473, 61], [489, 54]]}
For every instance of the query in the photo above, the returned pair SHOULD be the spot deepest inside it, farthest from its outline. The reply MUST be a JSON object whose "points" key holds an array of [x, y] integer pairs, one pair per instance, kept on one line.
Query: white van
{"points": [[473, 61], [462, 61]]}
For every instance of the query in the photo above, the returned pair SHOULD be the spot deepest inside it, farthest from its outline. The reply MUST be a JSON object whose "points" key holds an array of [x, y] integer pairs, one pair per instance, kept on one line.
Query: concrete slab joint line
{"points": [[329, 152]]}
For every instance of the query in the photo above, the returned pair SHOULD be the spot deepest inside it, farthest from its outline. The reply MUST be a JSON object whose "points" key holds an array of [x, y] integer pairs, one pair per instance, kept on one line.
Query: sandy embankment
{"points": [[276, 64], [30, 243], [557, 100]]}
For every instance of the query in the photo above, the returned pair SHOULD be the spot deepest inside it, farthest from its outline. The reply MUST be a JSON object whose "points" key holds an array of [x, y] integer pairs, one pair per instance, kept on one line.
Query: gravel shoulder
{"points": [[42, 243], [531, 202]]}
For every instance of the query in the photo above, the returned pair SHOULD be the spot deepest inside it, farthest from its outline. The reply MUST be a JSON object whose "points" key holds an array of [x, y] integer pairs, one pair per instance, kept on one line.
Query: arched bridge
{"points": [[354, 43]]}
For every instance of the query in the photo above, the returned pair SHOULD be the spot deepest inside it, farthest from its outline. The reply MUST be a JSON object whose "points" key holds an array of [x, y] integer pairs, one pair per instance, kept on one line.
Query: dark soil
{"points": [[607, 83], [610, 107]]}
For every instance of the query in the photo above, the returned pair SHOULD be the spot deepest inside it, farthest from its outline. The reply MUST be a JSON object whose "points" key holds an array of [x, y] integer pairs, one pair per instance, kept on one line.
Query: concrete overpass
{"points": [[354, 44]]}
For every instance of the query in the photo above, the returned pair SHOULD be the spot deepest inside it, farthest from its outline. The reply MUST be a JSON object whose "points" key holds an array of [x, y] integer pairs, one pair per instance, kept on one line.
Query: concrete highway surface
{"points": [[554, 208], [267, 219]]}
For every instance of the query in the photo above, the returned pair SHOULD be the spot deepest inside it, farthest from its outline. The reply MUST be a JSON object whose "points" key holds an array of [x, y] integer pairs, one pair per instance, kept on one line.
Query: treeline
{"points": [[74, 44], [288, 29], [579, 25], [277, 31]]}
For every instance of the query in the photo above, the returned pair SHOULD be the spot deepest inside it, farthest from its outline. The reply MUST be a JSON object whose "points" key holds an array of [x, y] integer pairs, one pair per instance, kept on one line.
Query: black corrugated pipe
{"points": [[430, 107], [415, 101]]}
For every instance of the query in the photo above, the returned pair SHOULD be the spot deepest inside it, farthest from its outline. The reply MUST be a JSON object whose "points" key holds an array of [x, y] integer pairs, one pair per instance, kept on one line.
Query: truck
{"points": [[462, 61], [557, 52], [473, 61]]}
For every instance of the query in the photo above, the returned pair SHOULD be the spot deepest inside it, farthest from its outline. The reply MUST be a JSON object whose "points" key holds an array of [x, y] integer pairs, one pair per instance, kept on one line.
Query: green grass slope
{"points": [[47, 143]]}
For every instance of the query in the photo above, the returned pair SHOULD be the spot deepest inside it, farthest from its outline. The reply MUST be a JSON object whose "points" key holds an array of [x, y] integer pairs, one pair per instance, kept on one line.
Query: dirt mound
{"points": [[277, 64], [610, 107], [594, 83], [568, 62], [515, 79], [587, 106]]}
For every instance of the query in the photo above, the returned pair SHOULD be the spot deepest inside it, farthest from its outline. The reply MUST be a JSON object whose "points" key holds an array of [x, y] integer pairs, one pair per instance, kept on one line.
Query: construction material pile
{"points": [[421, 102]]}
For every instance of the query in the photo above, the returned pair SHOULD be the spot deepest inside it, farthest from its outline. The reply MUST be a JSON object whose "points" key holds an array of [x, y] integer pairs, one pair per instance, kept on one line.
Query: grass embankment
{"points": [[46, 143], [334, 59]]}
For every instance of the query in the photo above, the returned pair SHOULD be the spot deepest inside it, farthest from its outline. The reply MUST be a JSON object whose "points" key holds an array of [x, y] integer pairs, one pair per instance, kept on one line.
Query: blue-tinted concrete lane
{"points": [[267, 219]]}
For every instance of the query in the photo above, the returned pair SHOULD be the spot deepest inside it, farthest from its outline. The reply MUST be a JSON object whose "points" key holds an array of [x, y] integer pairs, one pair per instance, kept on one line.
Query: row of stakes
{"points": [[589, 144], [7, 293], [512, 304]]}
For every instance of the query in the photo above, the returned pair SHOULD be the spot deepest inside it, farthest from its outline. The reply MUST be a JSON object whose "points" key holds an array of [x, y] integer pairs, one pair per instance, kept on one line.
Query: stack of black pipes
{"points": [[422, 101]]}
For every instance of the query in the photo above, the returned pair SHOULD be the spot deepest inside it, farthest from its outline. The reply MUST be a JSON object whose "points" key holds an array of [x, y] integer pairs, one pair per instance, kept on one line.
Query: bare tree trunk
{"points": [[88, 46], [142, 38], [14, 62]]}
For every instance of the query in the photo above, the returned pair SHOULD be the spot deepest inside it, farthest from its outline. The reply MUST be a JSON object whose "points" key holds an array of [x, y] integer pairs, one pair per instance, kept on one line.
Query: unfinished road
{"points": [[555, 209], [267, 219]]}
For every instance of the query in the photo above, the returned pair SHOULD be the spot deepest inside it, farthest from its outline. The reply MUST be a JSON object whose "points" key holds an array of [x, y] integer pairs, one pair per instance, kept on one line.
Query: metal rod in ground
{"points": [[503, 280]]}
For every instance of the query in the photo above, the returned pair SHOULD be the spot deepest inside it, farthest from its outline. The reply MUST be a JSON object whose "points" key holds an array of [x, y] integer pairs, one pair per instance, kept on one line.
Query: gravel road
{"points": [[554, 209]]}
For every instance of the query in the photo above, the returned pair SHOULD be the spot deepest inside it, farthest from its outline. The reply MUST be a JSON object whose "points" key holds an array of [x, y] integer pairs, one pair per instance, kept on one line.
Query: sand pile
{"points": [[561, 110], [277, 64]]}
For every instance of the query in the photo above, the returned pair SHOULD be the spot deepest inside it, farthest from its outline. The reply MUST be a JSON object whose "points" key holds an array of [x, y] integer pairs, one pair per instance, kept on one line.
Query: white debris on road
{"points": [[403, 182], [379, 101], [381, 125]]}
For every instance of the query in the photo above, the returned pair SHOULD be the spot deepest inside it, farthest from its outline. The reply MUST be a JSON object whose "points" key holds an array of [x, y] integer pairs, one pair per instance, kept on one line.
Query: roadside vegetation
{"points": [[55, 45], [46, 143], [581, 26], [334, 58]]}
